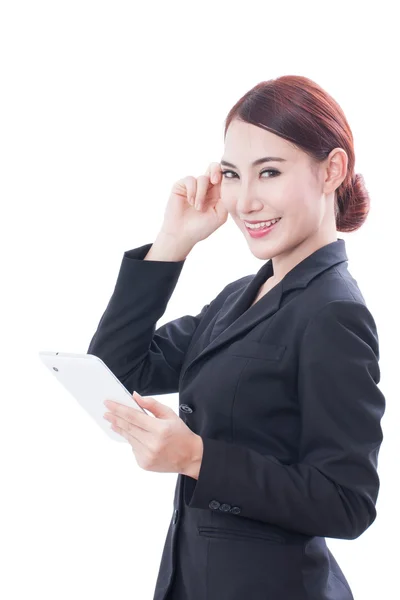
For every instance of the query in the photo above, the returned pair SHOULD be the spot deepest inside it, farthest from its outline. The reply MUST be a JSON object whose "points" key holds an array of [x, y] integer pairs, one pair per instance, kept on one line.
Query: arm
{"points": [[332, 490], [142, 357]]}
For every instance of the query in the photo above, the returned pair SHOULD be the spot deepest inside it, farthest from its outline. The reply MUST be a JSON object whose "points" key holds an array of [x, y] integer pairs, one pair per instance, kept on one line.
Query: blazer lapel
{"points": [[236, 317]]}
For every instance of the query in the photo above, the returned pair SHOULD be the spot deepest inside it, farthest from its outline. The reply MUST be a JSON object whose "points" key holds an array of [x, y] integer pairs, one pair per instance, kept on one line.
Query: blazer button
{"points": [[225, 507], [235, 510], [214, 504], [185, 408], [176, 512]]}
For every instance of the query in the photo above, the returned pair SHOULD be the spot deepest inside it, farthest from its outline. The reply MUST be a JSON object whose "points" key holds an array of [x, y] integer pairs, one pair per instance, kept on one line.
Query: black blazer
{"points": [[284, 395]]}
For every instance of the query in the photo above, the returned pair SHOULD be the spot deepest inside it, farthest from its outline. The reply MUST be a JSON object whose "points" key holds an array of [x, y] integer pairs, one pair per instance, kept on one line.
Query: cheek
{"points": [[228, 200], [299, 202], [310, 206]]}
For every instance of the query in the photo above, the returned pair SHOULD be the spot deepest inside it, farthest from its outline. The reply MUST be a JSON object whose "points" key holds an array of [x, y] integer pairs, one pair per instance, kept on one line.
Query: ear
{"points": [[336, 170]]}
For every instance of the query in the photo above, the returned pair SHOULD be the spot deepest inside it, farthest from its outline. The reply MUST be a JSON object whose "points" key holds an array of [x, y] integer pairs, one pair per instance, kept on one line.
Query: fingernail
{"points": [[214, 178]]}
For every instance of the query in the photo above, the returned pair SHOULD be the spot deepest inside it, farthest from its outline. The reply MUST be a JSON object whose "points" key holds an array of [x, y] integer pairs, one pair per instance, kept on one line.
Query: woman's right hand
{"points": [[182, 220]]}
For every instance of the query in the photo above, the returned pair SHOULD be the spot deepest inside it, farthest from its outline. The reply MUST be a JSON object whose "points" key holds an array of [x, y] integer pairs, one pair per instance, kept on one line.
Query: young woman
{"points": [[277, 439]]}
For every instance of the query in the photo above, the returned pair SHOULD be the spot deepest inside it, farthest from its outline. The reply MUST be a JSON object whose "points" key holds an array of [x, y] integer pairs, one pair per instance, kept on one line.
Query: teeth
{"points": [[261, 225]]}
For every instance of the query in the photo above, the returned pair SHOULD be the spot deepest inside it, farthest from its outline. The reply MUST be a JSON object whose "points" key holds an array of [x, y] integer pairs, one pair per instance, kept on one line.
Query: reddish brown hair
{"points": [[300, 111]]}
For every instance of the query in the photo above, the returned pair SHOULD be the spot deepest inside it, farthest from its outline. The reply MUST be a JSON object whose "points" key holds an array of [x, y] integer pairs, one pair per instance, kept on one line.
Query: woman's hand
{"points": [[164, 444], [182, 220]]}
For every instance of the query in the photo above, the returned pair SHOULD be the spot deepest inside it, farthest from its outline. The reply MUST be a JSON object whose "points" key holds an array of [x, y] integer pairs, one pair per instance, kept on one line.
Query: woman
{"points": [[277, 439]]}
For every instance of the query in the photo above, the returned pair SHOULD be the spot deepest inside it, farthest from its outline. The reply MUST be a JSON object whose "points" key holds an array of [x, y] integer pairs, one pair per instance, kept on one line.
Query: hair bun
{"points": [[353, 203]]}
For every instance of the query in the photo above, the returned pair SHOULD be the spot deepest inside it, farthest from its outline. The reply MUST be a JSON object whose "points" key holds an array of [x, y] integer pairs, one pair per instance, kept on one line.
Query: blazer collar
{"points": [[236, 317], [313, 265]]}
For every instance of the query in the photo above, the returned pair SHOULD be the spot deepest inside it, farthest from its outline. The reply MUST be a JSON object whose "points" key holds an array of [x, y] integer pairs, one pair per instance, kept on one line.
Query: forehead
{"points": [[249, 142]]}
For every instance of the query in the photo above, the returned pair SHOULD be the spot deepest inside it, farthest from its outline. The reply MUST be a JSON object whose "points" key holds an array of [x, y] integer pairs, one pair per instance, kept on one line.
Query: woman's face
{"points": [[290, 188]]}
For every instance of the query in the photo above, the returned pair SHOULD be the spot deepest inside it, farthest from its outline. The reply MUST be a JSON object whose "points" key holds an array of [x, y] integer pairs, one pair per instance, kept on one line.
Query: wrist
{"points": [[169, 247], [192, 469]]}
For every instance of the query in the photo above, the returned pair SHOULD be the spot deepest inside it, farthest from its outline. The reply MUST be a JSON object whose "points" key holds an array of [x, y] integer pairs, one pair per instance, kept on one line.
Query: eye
{"points": [[274, 173]]}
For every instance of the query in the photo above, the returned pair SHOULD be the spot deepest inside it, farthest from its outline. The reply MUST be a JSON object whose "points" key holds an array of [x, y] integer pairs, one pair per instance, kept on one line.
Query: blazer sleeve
{"points": [[332, 490], [142, 357]]}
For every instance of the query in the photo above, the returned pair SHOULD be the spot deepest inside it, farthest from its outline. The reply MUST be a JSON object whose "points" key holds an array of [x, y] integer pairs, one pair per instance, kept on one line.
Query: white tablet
{"points": [[90, 382]]}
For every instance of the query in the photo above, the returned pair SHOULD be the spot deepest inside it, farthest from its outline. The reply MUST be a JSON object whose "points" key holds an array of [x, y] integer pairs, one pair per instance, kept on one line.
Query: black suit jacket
{"points": [[284, 395]]}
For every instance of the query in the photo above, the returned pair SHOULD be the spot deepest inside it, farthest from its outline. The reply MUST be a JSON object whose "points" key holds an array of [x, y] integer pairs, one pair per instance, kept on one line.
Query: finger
{"points": [[137, 445], [190, 184], [132, 415], [203, 183], [131, 429], [118, 430], [214, 171]]}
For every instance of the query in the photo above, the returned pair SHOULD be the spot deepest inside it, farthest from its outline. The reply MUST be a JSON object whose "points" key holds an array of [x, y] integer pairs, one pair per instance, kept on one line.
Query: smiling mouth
{"points": [[262, 227]]}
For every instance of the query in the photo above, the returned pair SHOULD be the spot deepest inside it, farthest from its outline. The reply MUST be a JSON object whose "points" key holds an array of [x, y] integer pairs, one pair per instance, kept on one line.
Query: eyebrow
{"points": [[259, 161]]}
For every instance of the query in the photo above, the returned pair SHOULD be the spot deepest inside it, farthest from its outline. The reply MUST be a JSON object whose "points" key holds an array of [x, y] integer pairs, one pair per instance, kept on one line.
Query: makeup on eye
{"points": [[274, 172]]}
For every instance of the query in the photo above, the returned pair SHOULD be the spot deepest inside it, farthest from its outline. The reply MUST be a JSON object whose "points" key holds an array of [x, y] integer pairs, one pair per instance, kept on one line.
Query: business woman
{"points": [[277, 439]]}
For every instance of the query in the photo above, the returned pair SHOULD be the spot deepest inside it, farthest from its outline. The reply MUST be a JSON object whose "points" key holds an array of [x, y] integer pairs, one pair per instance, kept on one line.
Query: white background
{"points": [[103, 106]]}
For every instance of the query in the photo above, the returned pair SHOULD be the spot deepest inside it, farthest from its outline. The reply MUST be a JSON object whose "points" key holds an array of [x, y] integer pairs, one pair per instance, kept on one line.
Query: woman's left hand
{"points": [[164, 444]]}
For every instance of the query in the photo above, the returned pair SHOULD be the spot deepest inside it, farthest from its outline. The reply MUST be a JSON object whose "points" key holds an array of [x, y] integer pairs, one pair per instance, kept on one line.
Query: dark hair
{"points": [[299, 110]]}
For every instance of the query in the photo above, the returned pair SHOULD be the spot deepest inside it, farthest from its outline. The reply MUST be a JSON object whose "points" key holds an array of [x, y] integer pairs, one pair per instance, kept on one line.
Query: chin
{"points": [[262, 254]]}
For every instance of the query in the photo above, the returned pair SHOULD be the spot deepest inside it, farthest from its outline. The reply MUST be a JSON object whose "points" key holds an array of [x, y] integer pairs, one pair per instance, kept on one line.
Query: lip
{"points": [[257, 233], [261, 220]]}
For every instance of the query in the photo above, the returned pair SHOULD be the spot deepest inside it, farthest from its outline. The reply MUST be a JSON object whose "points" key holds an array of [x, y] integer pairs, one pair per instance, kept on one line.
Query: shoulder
{"points": [[336, 283], [330, 309], [333, 293], [342, 327]]}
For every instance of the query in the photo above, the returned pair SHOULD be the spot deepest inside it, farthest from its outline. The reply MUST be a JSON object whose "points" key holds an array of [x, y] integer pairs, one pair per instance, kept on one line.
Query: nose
{"points": [[247, 202]]}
